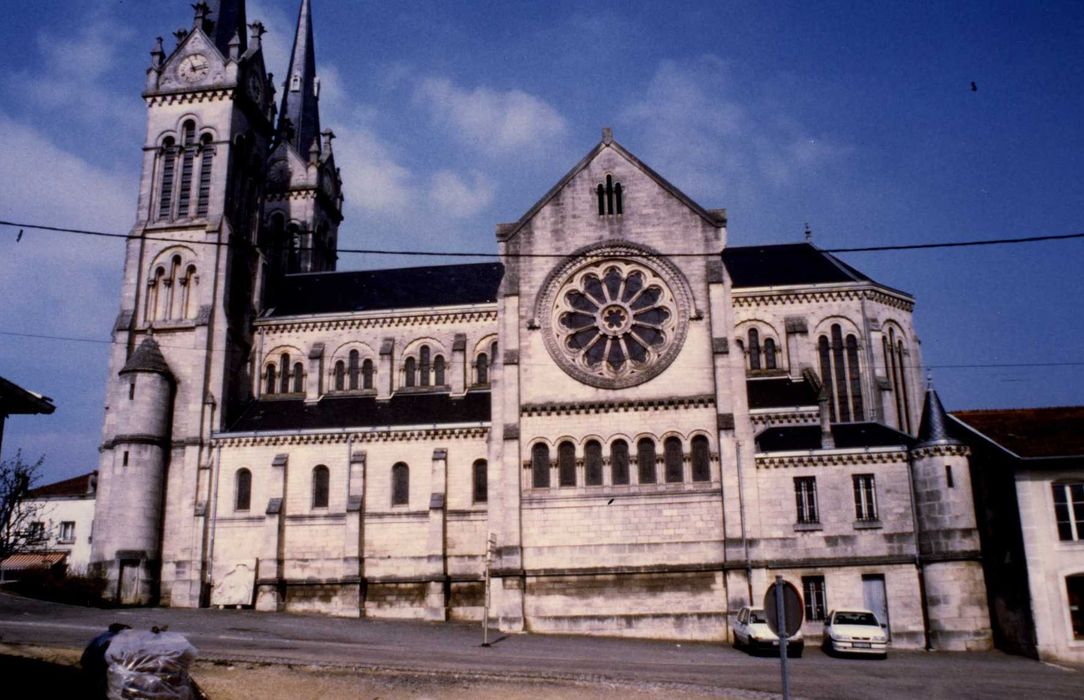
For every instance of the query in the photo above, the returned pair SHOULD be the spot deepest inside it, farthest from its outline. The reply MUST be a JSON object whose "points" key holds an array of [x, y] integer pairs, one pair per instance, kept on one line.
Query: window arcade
{"points": [[610, 195], [179, 184], [840, 372]]}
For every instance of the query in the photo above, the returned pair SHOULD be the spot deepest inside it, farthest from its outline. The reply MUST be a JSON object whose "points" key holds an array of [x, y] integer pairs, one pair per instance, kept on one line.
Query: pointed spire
{"points": [[934, 427], [300, 104], [222, 20]]}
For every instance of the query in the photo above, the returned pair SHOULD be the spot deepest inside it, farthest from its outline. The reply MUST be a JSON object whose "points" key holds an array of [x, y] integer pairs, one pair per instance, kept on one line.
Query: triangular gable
{"points": [[715, 217]]}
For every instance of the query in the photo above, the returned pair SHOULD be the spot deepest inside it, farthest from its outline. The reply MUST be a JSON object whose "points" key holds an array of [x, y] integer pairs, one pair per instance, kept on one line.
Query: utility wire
{"points": [[451, 254], [971, 365]]}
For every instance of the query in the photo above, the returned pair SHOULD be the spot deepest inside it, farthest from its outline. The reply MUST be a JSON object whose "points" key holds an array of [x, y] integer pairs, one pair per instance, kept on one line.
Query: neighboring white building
{"points": [[650, 422], [64, 513], [1027, 469]]}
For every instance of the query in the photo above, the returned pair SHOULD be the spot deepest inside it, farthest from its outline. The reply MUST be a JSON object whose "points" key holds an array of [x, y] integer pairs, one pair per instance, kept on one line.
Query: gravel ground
{"points": [[47, 672]]}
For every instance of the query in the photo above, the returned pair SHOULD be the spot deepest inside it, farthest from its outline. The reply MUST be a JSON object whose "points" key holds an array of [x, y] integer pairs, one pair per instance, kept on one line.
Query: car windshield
{"points": [[855, 618], [757, 617]]}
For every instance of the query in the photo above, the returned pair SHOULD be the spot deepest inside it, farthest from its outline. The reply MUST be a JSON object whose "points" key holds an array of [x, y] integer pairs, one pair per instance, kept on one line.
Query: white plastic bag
{"points": [[149, 666]]}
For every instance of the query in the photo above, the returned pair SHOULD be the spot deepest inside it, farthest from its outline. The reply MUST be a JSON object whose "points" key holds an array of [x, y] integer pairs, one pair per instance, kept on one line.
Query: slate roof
{"points": [[147, 358], [1031, 433], [846, 435], [82, 485], [934, 429], [334, 412], [401, 288], [780, 392], [786, 264]]}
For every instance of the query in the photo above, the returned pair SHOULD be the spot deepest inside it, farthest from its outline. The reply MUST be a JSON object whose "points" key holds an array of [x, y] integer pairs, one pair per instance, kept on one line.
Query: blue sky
{"points": [[857, 118]]}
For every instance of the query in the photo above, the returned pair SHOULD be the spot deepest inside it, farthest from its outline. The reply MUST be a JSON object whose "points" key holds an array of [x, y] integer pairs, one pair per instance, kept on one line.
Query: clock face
{"points": [[194, 68], [255, 87]]}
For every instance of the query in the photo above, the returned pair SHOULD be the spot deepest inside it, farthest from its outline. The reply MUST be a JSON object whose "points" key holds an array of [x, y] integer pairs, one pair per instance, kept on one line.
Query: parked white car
{"points": [[751, 632], [855, 632]]}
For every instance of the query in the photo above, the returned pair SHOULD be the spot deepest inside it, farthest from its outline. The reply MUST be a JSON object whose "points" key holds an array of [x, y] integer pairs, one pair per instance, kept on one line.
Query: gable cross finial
{"points": [[180, 34], [607, 135], [258, 30], [202, 10]]}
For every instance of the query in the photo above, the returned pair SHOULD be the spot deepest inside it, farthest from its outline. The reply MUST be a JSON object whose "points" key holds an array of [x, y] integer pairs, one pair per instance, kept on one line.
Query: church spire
{"points": [[299, 120], [222, 19], [933, 429]]}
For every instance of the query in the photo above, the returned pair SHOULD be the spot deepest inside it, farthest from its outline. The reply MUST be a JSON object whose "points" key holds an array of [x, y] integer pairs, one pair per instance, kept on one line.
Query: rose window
{"points": [[614, 323]]}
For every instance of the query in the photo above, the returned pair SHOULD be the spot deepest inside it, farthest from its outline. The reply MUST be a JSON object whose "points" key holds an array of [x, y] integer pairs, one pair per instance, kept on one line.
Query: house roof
{"points": [[32, 560], [400, 288], [334, 412], [786, 264], [790, 438], [15, 400], [780, 392], [82, 485], [1030, 433]]}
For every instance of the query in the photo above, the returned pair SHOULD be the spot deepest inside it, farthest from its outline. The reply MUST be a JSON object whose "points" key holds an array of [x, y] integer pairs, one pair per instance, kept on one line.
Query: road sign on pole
{"points": [[784, 610]]}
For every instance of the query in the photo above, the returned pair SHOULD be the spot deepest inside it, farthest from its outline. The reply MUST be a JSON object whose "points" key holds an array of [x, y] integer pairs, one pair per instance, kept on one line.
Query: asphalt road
{"points": [[455, 648]]}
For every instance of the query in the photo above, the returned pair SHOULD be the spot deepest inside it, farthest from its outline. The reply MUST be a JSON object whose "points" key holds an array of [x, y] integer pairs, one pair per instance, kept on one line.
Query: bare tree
{"points": [[21, 529]]}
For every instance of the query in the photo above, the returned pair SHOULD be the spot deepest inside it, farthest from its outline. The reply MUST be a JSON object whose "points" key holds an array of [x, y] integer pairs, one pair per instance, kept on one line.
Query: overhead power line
{"points": [[491, 254], [968, 365]]}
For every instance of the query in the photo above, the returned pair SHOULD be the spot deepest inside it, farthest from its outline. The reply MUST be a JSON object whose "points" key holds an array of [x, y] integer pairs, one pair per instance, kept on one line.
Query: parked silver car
{"points": [[854, 632], [751, 632]]}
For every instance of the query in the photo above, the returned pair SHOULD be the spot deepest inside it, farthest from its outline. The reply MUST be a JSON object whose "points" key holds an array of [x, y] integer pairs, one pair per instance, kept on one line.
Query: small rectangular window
{"points": [[805, 496], [948, 476], [125, 458], [1069, 511], [67, 531], [865, 498], [816, 599], [131, 391]]}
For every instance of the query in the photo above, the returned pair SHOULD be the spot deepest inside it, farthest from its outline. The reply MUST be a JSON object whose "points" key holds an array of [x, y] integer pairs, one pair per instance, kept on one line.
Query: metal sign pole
{"points": [[781, 620]]}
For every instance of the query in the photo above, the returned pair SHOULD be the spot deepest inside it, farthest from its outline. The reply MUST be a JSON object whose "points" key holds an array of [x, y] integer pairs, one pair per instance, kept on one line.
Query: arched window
{"points": [[272, 384], [438, 370], [481, 369], [592, 463], [340, 376], [701, 458], [169, 173], [840, 372], [645, 461], [481, 489], [566, 464], [169, 309], [156, 293], [408, 371], [321, 478], [284, 373], [299, 378], [619, 462], [207, 154], [540, 466], [293, 248], [903, 391], [673, 459], [896, 368], [754, 349], [367, 374], [423, 365], [400, 484], [188, 159], [242, 492], [769, 353], [353, 372], [189, 283]]}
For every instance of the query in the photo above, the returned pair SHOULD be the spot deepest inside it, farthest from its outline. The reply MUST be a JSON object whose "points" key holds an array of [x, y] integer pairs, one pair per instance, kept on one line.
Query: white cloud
{"points": [[455, 197], [373, 178], [75, 74], [711, 139], [495, 122], [64, 283]]}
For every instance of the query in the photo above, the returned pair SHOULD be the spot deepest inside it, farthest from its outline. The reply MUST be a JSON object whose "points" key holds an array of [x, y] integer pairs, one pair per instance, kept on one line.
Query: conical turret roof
{"points": [[147, 358], [933, 430]]}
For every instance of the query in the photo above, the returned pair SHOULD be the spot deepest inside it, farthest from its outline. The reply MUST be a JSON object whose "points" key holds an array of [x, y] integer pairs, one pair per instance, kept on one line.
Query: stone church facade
{"points": [[634, 423]]}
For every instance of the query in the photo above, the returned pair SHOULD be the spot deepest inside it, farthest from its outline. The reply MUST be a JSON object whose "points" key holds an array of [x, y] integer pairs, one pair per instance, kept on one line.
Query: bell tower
{"points": [[189, 294], [304, 193]]}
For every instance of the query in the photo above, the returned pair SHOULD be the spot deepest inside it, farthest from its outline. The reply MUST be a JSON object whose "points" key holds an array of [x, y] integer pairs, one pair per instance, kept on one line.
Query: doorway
{"points": [[128, 582], [876, 597]]}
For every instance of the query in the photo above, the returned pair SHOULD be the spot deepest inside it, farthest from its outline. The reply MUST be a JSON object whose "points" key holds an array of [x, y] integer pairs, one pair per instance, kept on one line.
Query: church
{"points": [[625, 425]]}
